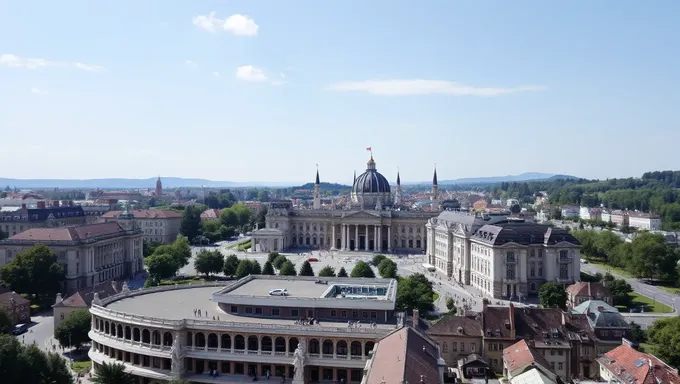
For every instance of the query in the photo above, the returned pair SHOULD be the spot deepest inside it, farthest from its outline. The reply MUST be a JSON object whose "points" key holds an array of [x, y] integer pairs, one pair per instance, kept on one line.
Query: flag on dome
{"points": [[369, 149]]}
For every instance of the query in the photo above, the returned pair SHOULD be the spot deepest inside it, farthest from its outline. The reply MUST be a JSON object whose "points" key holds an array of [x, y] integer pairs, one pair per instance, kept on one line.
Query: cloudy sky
{"points": [[265, 90]]}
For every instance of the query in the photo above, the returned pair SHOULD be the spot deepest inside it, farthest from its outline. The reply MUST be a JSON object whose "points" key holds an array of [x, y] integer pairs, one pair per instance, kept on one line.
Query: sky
{"points": [[267, 90]]}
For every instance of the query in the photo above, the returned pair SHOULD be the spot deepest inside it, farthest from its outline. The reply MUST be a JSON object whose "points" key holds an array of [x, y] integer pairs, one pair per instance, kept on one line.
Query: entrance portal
{"points": [[338, 243], [371, 245], [351, 245], [362, 242]]}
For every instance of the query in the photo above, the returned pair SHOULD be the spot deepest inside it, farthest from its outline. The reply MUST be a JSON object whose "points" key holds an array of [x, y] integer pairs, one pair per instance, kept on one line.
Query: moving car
{"points": [[278, 292]]}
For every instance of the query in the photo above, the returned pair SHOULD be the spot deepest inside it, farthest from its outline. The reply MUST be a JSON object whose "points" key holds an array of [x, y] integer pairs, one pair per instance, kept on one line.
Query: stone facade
{"points": [[159, 225]]}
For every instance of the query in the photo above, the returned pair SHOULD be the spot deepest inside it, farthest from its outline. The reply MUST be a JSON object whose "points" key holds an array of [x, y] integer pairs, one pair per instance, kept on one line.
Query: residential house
{"points": [[473, 366], [619, 218], [210, 215], [457, 336], [643, 220], [569, 212], [521, 361], [17, 306], [44, 216], [159, 225], [607, 324], [625, 364], [82, 300], [582, 291], [587, 213]]}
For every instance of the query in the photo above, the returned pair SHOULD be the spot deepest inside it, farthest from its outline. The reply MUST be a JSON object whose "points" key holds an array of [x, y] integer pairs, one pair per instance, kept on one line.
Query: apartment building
{"points": [[159, 225], [581, 292], [47, 214], [643, 220]]}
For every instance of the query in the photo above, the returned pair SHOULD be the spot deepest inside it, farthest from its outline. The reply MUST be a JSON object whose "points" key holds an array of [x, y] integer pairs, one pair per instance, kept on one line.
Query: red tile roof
{"points": [[78, 233], [146, 214], [632, 366], [84, 297], [582, 288], [210, 214], [7, 297], [520, 355], [404, 356], [457, 325]]}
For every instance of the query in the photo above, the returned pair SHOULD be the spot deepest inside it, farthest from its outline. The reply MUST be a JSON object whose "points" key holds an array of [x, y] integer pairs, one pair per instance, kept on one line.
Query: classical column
{"points": [[389, 238], [332, 246], [375, 239], [344, 237], [378, 236], [356, 237], [366, 241]]}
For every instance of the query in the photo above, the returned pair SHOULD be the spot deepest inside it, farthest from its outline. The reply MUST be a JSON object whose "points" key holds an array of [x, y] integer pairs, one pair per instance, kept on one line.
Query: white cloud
{"points": [[15, 61], [424, 87], [239, 25], [39, 91], [250, 73], [190, 64], [216, 74]]}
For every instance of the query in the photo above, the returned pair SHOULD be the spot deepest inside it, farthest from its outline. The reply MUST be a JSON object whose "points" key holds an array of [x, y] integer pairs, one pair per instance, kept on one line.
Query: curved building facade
{"points": [[324, 331]]}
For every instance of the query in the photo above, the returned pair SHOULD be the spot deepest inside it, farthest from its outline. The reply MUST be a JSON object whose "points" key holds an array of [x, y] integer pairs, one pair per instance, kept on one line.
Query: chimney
{"points": [[55, 203], [511, 313], [59, 299], [23, 206], [41, 204], [416, 318]]}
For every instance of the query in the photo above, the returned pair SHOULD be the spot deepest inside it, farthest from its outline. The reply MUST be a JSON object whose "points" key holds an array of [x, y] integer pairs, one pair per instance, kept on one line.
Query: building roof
{"points": [[67, 234], [146, 214], [404, 356], [522, 233], [634, 367], [520, 355], [588, 289], [210, 214], [532, 376], [84, 297], [6, 299], [42, 214], [457, 325], [601, 314]]}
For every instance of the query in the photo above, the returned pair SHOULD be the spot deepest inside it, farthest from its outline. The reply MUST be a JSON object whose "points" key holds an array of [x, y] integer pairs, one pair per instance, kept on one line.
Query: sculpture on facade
{"points": [[96, 300], [175, 354], [126, 288], [299, 362]]}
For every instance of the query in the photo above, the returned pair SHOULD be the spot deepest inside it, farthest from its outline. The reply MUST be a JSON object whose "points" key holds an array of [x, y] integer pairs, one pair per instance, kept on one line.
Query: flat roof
{"points": [[296, 288]]}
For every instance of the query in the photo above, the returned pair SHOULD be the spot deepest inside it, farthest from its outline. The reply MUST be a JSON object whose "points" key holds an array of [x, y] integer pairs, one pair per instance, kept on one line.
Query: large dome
{"points": [[371, 188]]}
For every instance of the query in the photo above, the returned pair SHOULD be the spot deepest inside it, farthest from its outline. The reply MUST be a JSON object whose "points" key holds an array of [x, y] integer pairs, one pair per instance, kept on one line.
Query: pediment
{"points": [[362, 215]]}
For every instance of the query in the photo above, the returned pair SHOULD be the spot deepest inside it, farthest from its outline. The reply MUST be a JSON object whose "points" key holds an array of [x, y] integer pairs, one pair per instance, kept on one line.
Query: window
{"points": [[276, 311], [510, 272], [374, 315], [462, 347], [540, 269], [445, 348], [552, 364], [334, 313], [532, 271], [510, 257], [355, 314], [295, 312], [258, 311], [249, 310], [472, 347], [533, 253], [564, 271], [343, 313], [489, 347], [364, 314], [564, 255], [560, 366], [552, 352], [234, 309], [454, 346], [560, 352]]}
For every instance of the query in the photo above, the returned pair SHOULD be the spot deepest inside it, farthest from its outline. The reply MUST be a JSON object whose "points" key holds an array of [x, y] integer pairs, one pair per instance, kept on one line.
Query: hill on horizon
{"points": [[527, 176]]}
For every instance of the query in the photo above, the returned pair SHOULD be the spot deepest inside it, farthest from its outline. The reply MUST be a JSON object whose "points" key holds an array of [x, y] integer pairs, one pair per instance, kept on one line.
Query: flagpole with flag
{"points": [[370, 149]]}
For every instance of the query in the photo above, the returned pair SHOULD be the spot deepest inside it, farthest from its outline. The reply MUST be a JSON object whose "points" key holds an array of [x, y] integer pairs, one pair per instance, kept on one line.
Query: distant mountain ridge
{"points": [[527, 176]]}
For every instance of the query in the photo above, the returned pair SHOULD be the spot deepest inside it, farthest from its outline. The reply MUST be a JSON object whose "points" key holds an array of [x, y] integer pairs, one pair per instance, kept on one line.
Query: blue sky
{"points": [[264, 90]]}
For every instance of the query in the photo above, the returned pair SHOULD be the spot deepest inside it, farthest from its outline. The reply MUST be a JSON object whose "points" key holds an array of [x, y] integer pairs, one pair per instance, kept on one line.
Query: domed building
{"points": [[374, 220]]}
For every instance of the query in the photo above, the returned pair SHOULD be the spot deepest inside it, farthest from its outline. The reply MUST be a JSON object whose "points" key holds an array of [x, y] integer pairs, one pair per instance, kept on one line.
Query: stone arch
{"points": [[368, 347], [128, 332], [146, 336], [280, 344], [266, 343], [226, 341], [113, 329], [156, 337], [293, 344], [120, 331], [190, 339], [239, 342], [355, 348], [136, 334], [314, 346], [212, 340], [253, 343], [200, 340], [167, 339], [328, 347], [341, 348], [106, 327]]}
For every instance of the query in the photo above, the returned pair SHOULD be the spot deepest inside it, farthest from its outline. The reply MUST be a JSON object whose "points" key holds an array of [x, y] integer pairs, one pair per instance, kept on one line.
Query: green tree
{"points": [[113, 373], [620, 290], [272, 256], [6, 323], [306, 269], [148, 247], [73, 332], [268, 269], [552, 295], [231, 265], [287, 269], [665, 335], [229, 218], [28, 364], [255, 267], [342, 272], [161, 266], [190, 226], [377, 259], [244, 268], [637, 334], [34, 271], [387, 269], [327, 271], [278, 262], [450, 304], [227, 233], [362, 269], [208, 262], [415, 292]]}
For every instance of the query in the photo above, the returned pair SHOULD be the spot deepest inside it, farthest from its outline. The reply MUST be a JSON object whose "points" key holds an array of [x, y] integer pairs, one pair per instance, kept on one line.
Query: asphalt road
{"points": [[40, 332]]}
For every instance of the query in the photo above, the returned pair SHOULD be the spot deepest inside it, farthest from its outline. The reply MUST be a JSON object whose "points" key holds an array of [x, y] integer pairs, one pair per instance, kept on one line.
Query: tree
{"points": [[415, 292], [306, 269], [287, 269], [73, 332], [665, 334], [208, 262], [552, 295], [113, 373], [620, 290], [190, 226], [230, 265], [148, 247], [637, 334], [161, 266], [268, 269], [327, 271], [6, 323], [255, 267], [229, 218], [451, 305], [377, 259], [362, 269], [387, 269], [28, 364], [244, 268], [272, 256], [182, 251], [278, 262], [226, 233], [34, 271], [342, 272]]}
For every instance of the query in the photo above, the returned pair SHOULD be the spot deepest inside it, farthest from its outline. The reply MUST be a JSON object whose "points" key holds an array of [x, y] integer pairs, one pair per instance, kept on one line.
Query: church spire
{"points": [[434, 178], [317, 196], [354, 181], [317, 175], [398, 179]]}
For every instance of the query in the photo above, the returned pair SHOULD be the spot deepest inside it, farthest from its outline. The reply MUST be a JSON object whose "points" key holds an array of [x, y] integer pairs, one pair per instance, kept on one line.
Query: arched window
{"points": [[212, 340], [167, 339], [355, 348], [341, 348], [135, 334], [239, 342], [327, 347], [226, 341], [267, 343], [146, 336], [280, 344], [293, 344], [314, 346], [200, 340]]}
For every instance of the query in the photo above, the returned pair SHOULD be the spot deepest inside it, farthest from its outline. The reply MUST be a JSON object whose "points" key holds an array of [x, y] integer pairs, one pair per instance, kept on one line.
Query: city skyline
{"points": [[245, 91]]}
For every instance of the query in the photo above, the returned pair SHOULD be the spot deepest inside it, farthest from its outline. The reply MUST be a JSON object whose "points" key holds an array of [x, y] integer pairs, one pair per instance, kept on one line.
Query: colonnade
{"points": [[372, 234]]}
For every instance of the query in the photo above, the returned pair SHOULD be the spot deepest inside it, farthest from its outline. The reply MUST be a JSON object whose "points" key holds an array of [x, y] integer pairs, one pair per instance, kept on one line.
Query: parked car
{"points": [[278, 292], [312, 259], [19, 329]]}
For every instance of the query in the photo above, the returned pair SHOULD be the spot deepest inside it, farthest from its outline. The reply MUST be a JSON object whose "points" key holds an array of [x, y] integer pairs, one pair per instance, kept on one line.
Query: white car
{"points": [[278, 292]]}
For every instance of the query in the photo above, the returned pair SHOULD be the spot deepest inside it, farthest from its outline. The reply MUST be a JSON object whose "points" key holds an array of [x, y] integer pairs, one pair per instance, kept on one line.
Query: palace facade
{"points": [[373, 220]]}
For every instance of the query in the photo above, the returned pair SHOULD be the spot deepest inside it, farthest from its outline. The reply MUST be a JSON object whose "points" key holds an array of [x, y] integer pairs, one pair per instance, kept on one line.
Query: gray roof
{"points": [[601, 314], [523, 233], [469, 221]]}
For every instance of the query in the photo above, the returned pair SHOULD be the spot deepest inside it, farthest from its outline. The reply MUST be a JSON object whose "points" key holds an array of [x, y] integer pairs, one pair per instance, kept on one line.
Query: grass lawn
{"points": [[81, 366], [435, 297], [622, 272], [650, 305]]}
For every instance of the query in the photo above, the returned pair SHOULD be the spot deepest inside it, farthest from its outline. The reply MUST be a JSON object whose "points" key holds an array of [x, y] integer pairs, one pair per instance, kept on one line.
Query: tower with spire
{"points": [[317, 192], [398, 197], [159, 187], [434, 198]]}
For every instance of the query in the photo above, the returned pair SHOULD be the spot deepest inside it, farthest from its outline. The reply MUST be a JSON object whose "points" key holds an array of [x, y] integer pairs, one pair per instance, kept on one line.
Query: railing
{"points": [[157, 347]]}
